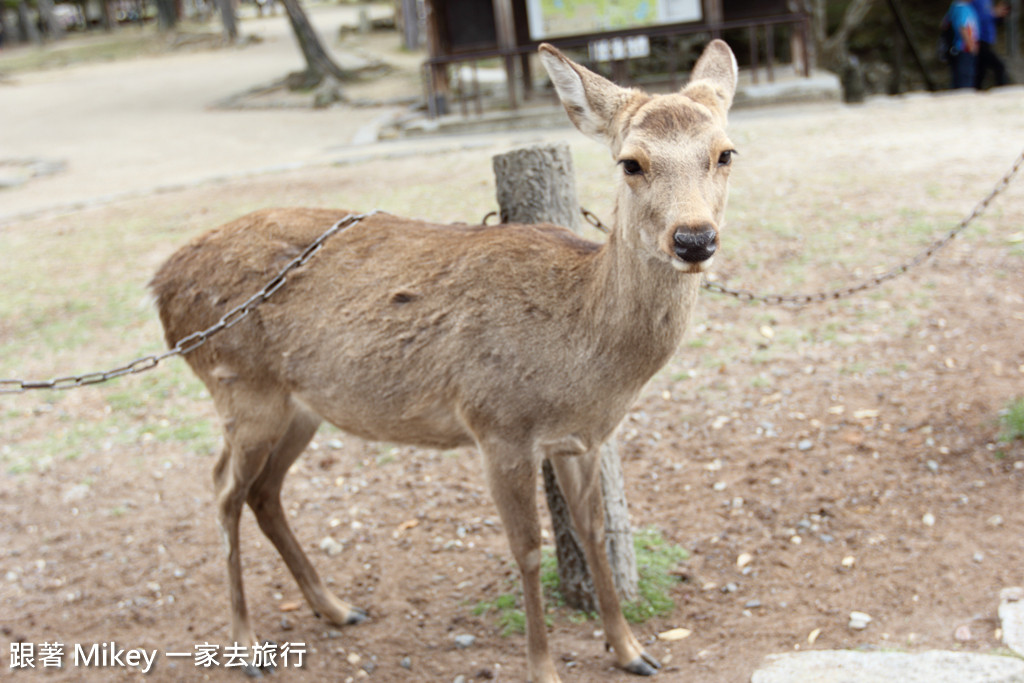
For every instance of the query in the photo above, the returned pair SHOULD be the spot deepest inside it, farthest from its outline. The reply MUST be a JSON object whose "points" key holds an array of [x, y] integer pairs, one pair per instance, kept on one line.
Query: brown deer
{"points": [[522, 339]]}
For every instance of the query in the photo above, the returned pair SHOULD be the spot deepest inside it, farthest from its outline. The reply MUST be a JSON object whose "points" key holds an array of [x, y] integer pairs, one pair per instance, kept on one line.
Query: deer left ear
{"points": [[713, 81], [592, 102]]}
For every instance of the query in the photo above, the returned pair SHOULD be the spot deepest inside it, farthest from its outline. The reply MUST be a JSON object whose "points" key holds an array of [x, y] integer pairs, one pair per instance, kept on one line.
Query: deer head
{"points": [[672, 151]]}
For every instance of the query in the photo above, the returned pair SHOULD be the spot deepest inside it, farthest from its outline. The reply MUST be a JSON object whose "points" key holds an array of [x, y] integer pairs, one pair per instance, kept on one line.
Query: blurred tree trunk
{"points": [[166, 15], [321, 71], [27, 31], [832, 50], [52, 26], [227, 17]]}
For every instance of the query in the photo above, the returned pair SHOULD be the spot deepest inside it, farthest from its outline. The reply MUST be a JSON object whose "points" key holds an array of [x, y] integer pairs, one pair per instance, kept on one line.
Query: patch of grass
{"points": [[1011, 421], [510, 618], [104, 47], [655, 560]]}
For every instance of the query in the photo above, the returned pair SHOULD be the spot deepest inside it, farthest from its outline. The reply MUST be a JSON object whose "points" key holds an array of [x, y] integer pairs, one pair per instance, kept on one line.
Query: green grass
{"points": [[655, 558], [509, 617], [1011, 421], [120, 44]]}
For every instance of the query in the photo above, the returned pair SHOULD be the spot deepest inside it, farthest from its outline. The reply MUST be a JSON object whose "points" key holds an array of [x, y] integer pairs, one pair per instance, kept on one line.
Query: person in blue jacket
{"points": [[987, 59], [963, 57]]}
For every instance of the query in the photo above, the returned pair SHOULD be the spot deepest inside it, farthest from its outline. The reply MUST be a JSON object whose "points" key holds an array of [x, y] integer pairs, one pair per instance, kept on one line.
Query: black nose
{"points": [[696, 244]]}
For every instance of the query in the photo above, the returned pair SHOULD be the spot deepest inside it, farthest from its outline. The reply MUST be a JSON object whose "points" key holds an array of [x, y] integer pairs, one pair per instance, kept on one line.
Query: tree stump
{"points": [[536, 184]]}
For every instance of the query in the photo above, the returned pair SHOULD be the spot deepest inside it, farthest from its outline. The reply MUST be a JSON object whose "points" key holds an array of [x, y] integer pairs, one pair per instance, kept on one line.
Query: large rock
{"points": [[1011, 616], [843, 666]]}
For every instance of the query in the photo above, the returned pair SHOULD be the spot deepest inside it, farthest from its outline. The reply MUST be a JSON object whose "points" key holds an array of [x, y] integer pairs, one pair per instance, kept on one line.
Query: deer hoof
{"points": [[356, 616], [260, 671], [252, 671], [644, 665]]}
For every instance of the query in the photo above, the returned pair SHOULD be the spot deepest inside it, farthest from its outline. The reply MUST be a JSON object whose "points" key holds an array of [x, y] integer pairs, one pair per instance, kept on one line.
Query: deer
{"points": [[523, 340]]}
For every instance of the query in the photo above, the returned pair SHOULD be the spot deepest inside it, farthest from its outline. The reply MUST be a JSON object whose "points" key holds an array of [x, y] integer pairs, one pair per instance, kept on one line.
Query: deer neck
{"points": [[641, 305]]}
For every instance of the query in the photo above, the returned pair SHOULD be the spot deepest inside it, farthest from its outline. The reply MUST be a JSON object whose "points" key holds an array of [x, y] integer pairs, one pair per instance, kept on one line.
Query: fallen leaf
{"points": [[407, 524], [289, 606], [675, 634], [813, 636]]}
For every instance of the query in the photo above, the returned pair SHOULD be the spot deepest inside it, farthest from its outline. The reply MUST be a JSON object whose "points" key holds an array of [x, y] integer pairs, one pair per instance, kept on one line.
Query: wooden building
{"points": [[467, 31]]}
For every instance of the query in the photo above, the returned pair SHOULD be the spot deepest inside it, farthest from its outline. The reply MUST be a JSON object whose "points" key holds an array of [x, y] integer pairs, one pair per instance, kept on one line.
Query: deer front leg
{"points": [[512, 477], [579, 478]]}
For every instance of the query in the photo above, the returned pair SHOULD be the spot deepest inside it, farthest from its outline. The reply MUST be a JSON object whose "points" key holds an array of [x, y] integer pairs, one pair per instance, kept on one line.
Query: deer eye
{"points": [[725, 158], [631, 167]]}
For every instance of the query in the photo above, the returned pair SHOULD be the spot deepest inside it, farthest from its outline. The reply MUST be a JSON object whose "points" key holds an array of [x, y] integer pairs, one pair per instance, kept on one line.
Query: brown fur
{"points": [[524, 340]]}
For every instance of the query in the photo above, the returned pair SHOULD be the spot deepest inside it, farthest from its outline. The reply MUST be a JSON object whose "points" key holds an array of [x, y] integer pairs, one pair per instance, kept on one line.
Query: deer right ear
{"points": [[592, 101]]}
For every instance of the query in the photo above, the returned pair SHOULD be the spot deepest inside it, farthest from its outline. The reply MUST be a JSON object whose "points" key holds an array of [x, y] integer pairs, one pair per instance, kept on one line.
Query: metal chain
{"points": [[196, 339], [878, 280]]}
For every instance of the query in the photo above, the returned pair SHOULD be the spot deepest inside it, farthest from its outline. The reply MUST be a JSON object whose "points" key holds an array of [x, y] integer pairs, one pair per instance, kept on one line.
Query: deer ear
{"points": [[592, 101], [713, 81]]}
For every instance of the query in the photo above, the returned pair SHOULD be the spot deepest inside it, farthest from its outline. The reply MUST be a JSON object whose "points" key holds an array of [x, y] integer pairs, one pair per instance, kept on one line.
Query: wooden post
{"points": [[536, 184]]}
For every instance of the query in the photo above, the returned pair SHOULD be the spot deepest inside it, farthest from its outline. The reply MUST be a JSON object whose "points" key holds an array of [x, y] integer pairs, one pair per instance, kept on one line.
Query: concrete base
{"points": [[843, 666]]}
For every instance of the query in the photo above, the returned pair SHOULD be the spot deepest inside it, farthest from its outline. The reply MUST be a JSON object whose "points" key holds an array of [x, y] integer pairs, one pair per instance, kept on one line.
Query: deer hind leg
{"points": [[513, 483], [579, 478], [265, 500], [254, 421]]}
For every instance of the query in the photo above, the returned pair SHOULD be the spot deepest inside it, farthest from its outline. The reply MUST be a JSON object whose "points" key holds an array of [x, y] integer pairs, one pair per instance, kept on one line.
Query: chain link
{"points": [[193, 341]]}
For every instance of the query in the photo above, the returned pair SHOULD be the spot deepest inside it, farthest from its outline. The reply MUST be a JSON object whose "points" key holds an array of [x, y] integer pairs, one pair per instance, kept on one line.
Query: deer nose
{"points": [[696, 243]]}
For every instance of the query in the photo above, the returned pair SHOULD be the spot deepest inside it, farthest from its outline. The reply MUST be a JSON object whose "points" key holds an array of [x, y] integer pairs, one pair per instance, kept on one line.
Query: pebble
{"points": [[932, 466], [730, 588], [331, 547], [459, 679], [75, 493], [859, 621], [405, 663], [464, 640], [753, 604], [805, 445], [928, 519]]}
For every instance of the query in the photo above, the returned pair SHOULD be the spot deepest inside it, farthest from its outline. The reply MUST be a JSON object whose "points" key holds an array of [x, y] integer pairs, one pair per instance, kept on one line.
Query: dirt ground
{"points": [[850, 450]]}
